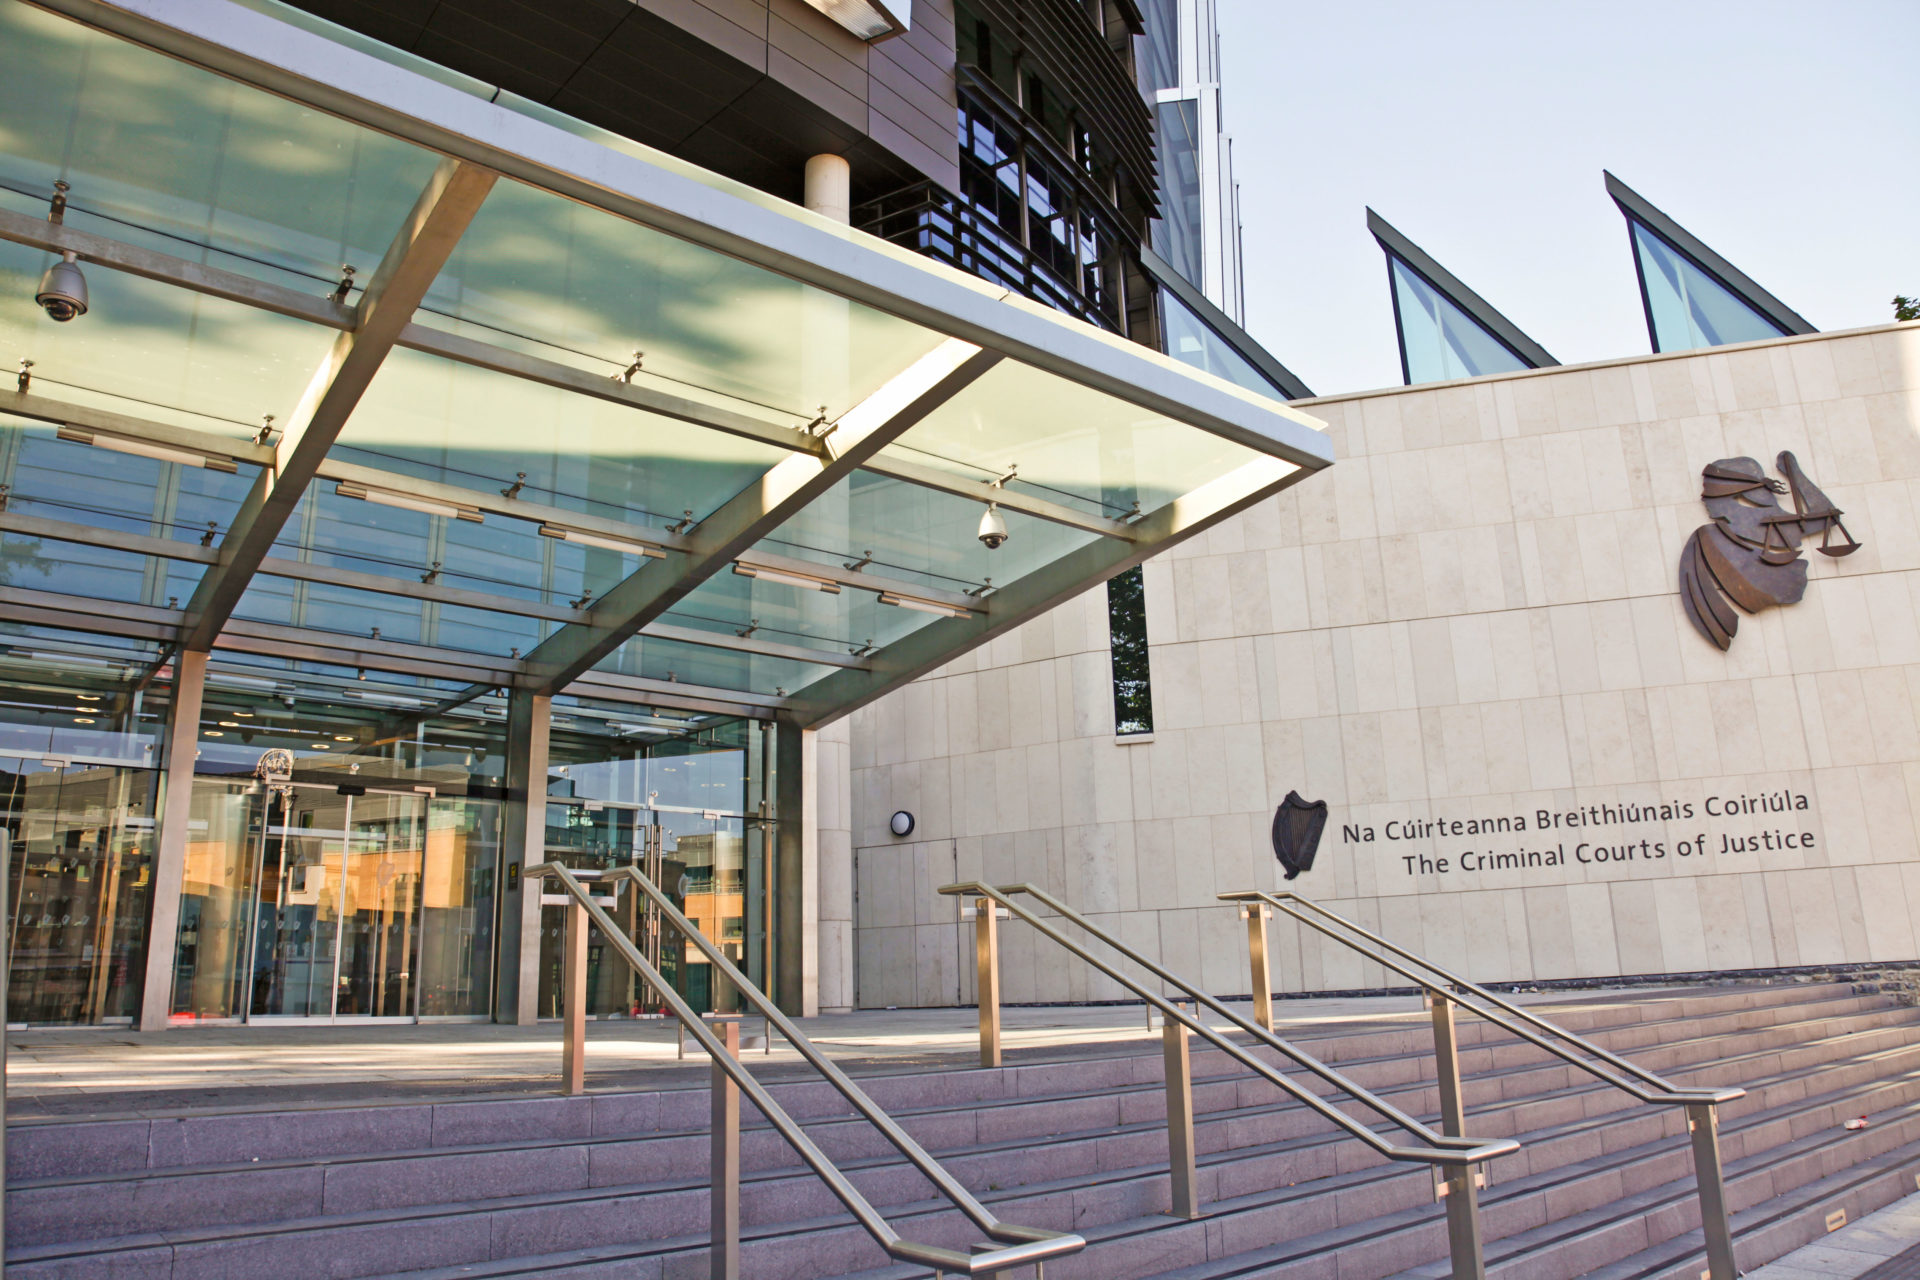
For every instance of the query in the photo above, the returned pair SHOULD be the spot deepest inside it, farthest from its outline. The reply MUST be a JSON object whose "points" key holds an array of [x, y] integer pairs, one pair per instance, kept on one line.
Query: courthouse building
{"points": [[809, 451]]}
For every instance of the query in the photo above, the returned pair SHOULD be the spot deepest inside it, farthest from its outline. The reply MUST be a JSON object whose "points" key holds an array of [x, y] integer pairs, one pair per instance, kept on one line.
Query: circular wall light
{"points": [[901, 823]]}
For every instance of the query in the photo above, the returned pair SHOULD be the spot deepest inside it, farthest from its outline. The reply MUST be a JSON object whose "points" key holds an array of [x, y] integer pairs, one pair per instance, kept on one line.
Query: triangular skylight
{"points": [[1446, 330], [1693, 297]]}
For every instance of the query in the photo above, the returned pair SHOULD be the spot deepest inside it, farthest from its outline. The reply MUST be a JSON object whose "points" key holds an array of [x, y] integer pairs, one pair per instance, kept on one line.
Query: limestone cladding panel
{"points": [[1473, 617]]}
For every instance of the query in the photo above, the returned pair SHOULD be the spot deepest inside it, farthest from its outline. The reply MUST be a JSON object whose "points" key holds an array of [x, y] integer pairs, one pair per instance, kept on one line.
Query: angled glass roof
{"points": [[1692, 296], [1446, 330], [579, 417]]}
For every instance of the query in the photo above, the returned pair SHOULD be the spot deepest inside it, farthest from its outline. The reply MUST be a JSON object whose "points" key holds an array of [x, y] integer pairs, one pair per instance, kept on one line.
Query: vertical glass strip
{"points": [[1132, 673]]}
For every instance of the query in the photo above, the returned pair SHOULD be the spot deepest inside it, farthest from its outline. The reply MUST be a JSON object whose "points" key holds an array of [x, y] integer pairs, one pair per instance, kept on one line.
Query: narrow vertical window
{"points": [[1132, 674]]}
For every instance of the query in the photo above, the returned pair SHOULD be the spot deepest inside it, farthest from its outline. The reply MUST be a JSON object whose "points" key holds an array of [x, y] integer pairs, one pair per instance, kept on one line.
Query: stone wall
{"points": [[1472, 618]]}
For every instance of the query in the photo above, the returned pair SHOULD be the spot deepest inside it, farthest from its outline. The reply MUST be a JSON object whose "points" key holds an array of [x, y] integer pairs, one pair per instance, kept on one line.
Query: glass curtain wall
{"points": [[77, 803]]}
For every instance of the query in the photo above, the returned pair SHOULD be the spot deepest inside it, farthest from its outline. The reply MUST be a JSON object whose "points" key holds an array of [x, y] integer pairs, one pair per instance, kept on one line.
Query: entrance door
{"points": [[336, 930]]}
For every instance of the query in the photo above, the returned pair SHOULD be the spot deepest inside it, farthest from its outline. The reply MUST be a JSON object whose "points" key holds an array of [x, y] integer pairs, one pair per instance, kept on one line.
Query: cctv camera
{"points": [[63, 290], [993, 527]]}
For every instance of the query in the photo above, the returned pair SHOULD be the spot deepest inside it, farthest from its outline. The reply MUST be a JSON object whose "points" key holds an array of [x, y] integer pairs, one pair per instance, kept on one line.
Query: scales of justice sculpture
{"points": [[1750, 554]]}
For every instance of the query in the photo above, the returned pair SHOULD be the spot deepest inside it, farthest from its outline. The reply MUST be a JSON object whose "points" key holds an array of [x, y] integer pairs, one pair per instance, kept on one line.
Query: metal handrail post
{"points": [[1185, 1198], [1461, 1189], [1030, 1245], [1703, 1125], [1257, 914], [986, 956], [573, 992], [724, 1169]]}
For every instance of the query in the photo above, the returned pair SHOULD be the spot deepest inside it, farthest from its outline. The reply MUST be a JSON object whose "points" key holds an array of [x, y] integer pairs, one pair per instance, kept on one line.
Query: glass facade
{"points": [[1438, 341], [1179, 232], [78, 790], [1686, 307]]}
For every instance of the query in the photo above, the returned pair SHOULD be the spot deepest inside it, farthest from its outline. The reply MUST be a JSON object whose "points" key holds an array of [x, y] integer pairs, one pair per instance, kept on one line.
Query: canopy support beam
{"points": [[412, 262], [757, 511], [831, 697]]}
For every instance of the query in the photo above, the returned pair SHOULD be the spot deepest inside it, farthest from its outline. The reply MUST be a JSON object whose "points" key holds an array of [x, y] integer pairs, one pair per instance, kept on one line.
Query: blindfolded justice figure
{"points": [[1750, 554]]}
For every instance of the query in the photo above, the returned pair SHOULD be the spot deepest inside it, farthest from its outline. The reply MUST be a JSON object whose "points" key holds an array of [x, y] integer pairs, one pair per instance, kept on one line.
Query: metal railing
{"points": [[1452, 1152], [1445, 989], [1023, 1246]]}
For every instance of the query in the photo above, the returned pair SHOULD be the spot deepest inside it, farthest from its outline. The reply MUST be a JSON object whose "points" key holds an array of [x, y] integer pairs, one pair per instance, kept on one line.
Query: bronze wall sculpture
{"points": [[1750, 554]]}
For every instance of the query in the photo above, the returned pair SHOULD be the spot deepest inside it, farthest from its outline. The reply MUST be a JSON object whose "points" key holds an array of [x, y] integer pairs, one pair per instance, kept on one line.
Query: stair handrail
{"points": [[1032, 1244], [1437, 1148], [1628, 1076], [1446, 989]]}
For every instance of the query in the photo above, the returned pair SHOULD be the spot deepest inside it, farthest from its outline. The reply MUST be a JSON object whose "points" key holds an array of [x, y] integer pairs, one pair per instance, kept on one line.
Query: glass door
{"points": [[336, 930]]}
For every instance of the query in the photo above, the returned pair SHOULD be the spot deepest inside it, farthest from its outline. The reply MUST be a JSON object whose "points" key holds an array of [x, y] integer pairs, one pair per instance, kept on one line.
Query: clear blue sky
{"points": [[1785, 135]]}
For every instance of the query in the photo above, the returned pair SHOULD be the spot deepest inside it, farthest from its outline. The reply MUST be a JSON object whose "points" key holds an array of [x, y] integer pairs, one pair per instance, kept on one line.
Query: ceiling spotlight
{"points": [[147, 449], [924, 606], [82, 720], [993, 527], [63, 290], [790, 579]]}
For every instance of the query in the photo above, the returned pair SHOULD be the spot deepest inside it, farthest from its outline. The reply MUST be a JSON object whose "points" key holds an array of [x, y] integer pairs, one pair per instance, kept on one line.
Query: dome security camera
{"points": [[63, 290], [993, 527]]}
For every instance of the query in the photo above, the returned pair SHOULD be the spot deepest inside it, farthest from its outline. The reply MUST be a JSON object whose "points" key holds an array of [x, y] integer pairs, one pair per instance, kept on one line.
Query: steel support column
{"points": [[796, 921], [170, 853], [523, 844]]}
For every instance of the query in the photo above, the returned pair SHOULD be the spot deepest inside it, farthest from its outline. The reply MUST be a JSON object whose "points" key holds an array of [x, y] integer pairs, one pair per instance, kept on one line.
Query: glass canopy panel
{"points": [[453, 423], [1439, 341], [1686, 307], [695, 664], [181, 160], [1190, 341], [1069, 443], [538, 269], [157, 352]]}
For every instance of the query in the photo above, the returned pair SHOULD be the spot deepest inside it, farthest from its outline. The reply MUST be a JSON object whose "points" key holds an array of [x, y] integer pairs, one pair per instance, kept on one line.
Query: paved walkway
{"points": [[94, 1070], [1883, 1246]]}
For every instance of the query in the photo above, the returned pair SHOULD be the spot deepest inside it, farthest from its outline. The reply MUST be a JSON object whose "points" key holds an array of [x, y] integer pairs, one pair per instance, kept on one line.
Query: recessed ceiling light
{"points": [[87, 697], [213, 733], [229, 724], [343, 737], [323, 746], [82, 720], [244, 715]]}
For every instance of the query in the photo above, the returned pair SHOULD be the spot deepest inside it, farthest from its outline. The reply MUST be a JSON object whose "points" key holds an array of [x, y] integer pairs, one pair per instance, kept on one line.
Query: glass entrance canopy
{"points": [[385, 370]]}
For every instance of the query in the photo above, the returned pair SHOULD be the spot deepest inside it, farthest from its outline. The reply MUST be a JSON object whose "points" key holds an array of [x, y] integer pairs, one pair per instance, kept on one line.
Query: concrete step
{"points": [[72, 1149], [1094, 1131], [1126, 1195]]}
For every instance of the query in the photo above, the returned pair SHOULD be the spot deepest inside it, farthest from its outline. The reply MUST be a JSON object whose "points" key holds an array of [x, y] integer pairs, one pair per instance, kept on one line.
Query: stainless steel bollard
{"points": [[1256, 914], [1461, 1190], [986, 956], [724, 1171], [573, 993], [1703, 1124], [1173, 1039]]}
